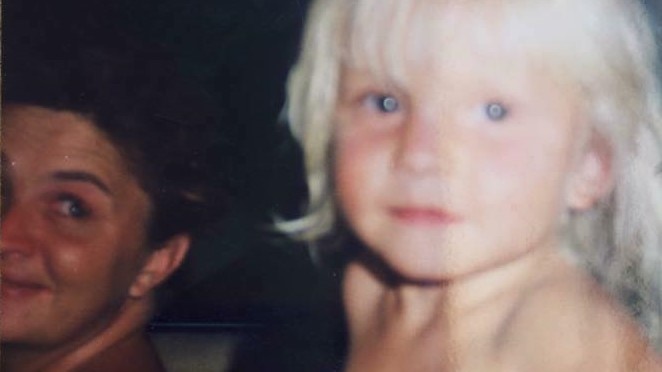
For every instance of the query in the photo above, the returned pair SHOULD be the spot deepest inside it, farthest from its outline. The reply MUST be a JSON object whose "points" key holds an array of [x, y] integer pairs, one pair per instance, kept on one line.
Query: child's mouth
{"points": [[422, 215]]}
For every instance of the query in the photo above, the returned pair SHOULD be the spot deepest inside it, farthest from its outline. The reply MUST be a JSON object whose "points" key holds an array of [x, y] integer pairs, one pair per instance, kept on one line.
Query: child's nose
{"points": [[418, 149]]}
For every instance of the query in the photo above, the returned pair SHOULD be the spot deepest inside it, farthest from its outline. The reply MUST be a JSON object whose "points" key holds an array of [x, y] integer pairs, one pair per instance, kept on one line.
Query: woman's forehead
{"points": [[48, 138]]}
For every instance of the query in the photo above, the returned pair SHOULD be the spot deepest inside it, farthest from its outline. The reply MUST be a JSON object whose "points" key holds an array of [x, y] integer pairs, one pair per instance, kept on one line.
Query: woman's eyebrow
{"points": [[83, 177]]}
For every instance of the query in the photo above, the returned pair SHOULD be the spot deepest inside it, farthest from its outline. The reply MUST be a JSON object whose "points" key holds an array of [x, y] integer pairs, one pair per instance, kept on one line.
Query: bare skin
{"points": [[121, 346], [509, 319]]}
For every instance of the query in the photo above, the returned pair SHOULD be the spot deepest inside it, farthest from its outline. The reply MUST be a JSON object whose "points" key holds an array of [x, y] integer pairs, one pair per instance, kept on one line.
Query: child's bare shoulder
{"points": [[570, 323]]}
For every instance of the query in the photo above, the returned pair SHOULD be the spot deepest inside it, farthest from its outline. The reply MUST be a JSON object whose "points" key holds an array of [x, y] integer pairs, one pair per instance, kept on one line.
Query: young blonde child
{"points": [[497, 160]]}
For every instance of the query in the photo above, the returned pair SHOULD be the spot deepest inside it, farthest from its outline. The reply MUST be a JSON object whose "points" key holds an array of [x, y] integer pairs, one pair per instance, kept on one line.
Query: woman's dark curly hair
{"points": [[136, 97]]}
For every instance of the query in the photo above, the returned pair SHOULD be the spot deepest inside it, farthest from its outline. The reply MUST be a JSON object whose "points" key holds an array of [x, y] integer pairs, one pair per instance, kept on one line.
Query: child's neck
{"points": [[461, 318]]}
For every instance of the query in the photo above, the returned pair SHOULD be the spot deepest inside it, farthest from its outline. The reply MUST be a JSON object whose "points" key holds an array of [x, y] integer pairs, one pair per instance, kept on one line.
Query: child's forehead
{"points": [[430, 38], [392, 38]]}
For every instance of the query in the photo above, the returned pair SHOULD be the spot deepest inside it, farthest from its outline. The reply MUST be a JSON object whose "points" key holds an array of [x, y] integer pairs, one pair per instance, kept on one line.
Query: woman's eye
{"points": [[495, 111], [71, 206], [385, 103]]}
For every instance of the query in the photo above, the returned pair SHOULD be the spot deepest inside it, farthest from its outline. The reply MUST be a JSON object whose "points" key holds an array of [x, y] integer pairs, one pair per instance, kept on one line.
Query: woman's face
{"points": [[467, 166], [73, 228]]}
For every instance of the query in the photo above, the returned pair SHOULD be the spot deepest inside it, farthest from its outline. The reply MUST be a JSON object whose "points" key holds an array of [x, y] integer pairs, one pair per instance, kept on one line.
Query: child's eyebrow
{"points": [[82, 177]]}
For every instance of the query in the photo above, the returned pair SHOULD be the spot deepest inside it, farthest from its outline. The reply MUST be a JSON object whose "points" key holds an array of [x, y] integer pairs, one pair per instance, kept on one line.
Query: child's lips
{"points": [[423, 215]]}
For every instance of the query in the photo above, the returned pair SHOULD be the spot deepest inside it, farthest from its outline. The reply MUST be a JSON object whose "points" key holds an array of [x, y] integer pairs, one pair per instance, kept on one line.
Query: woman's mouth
{"points": [[16, 288]]}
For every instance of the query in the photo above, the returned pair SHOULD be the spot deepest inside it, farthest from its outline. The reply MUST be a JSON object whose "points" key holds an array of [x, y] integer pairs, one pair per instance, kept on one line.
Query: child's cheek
{"points": [[525, 172], [354, 166], [360, 150]]}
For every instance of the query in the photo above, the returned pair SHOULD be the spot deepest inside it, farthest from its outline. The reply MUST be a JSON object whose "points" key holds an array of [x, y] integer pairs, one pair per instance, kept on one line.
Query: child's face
{"points": [[467, 166]]}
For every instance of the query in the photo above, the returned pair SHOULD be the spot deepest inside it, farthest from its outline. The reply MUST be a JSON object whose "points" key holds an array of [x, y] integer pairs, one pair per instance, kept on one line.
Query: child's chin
{"points": [[427, 257], [425, 269]]}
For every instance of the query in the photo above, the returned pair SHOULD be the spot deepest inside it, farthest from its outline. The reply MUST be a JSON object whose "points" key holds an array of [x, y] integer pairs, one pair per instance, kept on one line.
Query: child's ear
{"points": [[160, 264], [593, 177]]}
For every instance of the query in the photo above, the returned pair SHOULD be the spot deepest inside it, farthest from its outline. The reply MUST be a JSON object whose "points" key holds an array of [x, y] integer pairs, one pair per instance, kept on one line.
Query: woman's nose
{"points": [[6, 184], [6, 196], [15, 232]]}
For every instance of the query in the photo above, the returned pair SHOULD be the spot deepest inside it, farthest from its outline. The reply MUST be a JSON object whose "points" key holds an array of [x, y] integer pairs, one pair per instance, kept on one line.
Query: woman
{"points": [[103, 185]]}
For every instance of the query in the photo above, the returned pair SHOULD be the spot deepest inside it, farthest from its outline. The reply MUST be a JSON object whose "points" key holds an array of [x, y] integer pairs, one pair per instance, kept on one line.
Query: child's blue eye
{"points": [[495, 111], [386, 103]]}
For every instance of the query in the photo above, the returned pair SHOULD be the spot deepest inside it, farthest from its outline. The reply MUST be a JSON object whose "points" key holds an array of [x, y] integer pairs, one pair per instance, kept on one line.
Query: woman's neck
{"points": [[127, 326]]}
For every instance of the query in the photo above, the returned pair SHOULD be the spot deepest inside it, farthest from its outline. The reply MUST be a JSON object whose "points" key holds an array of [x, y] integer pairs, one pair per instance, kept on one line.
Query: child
{"points": [[497, 159]]}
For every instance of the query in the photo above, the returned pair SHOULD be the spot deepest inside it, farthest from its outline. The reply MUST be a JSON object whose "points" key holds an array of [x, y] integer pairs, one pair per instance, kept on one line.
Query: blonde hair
{"points": [[606, 48]]}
